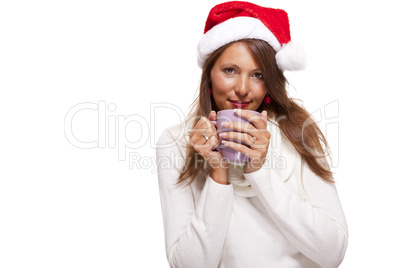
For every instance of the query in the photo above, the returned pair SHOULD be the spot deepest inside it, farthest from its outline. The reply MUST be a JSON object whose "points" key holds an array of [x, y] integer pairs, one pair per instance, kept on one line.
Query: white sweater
{"points": [[295, 219]]}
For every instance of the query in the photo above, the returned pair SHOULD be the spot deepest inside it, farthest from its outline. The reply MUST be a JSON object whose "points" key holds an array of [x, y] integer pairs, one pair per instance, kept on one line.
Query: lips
{"points": [[239, 104]]}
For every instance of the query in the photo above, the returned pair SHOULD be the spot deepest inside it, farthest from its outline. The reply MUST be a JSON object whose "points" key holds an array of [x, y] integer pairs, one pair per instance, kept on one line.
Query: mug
{"points": [[233, 156]]}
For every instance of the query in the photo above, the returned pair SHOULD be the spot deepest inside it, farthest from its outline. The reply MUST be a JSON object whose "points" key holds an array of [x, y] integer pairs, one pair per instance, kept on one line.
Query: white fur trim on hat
{"points": [[232, 30], [291, 57], [288, 57]]}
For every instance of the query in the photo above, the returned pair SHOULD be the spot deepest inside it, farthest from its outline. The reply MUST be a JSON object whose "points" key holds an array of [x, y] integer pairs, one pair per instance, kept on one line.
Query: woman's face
{"points": [[237, 81]]}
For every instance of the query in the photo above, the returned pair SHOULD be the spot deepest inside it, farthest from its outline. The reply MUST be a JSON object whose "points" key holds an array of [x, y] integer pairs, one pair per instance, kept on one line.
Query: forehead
{"points": [[239, 54]]}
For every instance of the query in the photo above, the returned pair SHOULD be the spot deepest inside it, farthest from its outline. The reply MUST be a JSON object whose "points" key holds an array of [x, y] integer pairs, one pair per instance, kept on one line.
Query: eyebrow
{"points": [[235, 66]]}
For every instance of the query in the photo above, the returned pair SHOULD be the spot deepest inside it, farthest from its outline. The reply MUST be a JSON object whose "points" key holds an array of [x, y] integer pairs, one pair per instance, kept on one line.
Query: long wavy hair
{"points": [[293, 120]]}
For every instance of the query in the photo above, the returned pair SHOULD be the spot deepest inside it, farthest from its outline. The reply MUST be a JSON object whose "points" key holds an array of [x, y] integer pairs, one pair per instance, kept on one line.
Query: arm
{"points": [[316, 224], [194, 233]]}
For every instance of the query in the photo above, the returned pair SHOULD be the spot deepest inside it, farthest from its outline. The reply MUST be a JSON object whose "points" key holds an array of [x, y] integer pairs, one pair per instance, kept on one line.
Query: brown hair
{"points": [[293, 120]]}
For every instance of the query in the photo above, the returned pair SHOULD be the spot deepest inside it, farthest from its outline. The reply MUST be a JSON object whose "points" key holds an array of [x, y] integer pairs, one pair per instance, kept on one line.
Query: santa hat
{"points": [[232, 21]]}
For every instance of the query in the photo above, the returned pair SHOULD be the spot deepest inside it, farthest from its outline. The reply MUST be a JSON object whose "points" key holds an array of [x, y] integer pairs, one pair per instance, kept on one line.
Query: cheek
{"points": [[263, 94], [258, 89], [221, 84], [260, 94]]}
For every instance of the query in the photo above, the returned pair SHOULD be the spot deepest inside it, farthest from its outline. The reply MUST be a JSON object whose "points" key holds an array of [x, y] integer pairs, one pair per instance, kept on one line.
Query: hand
{"points": [[255, 135], [205, 147]]}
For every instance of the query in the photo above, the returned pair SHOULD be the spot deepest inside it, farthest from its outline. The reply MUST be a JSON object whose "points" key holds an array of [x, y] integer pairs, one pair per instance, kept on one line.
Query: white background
{"points": [[66, 206]]}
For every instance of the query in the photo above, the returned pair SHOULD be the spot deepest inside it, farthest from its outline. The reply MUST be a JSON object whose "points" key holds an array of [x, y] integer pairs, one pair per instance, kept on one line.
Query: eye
{"points": [[258, 75], [229, 70]]}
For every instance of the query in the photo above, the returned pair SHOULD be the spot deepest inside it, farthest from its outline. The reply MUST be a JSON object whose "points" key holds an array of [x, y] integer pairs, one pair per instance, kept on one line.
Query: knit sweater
{"points": [[294, 219]]}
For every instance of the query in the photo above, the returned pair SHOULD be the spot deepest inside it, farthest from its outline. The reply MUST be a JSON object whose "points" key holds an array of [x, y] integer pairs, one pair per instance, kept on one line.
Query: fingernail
{"points": [[223, 134], [265, 112], [225, 124]]}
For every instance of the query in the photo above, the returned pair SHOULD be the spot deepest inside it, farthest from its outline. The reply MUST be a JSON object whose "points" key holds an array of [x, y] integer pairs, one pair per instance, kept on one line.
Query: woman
{"points": [[281, 208]]}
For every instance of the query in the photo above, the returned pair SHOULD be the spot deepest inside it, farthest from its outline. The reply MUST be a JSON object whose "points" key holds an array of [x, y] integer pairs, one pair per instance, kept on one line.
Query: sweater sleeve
{"points": [[314, 224], [194, 232]]}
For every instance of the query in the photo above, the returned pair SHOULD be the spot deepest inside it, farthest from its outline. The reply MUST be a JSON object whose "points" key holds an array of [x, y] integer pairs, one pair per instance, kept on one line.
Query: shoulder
{"points": [[175, 135], [170, 133]]}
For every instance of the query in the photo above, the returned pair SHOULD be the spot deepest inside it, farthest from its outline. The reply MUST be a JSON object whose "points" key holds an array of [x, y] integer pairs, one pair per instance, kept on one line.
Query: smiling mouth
{"points": [[240, 104]]}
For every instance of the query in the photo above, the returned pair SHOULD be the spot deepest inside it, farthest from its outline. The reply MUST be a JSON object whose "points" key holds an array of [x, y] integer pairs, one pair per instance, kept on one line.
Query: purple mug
{"points": [[234, 157]]}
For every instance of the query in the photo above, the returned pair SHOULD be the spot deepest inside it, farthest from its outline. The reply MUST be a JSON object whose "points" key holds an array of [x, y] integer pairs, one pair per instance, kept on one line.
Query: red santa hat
{"points": [[232, 21]]}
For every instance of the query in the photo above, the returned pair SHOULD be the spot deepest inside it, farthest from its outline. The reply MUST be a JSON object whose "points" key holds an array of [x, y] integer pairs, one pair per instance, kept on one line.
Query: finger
{"points": [[206, 139], [206, 134], [256, 120], [203, 123], [245, 127], [211, 138], [237, 137], [208, 124], [206, 150], [201, 126], [214, 141], [245, 139], [238, 147], [206, 146]]}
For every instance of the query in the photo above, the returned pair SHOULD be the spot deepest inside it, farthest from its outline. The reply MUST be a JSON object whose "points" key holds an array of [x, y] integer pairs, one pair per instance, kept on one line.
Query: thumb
{"points": [[212, 116], [264, 117]]}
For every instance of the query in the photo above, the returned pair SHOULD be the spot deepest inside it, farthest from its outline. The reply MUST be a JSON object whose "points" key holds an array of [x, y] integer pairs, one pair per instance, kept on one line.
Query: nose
{"points": [[242, 85]]}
